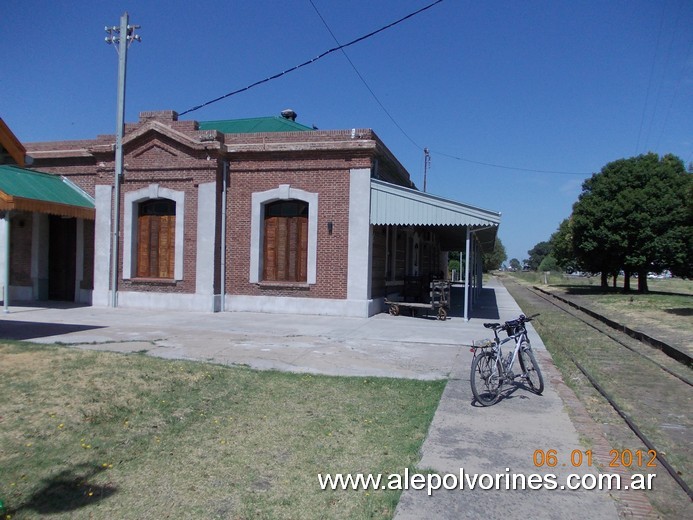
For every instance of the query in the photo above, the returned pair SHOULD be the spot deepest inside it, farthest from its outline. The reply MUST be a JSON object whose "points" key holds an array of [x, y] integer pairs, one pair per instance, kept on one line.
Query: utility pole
{"points": [[427, 165], [123, 36]]}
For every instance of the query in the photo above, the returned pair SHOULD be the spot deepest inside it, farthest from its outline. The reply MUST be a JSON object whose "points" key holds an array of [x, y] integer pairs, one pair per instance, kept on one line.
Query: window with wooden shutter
{"points": [[156, 238], [285, 249]]}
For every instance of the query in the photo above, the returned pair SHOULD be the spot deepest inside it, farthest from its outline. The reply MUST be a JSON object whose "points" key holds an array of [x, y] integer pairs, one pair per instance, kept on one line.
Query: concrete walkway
{"points": [[497, 440]]}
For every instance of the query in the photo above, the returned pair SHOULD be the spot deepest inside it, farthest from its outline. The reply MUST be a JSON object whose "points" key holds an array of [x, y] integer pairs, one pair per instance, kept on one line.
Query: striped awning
{"points": [[397, 205]]}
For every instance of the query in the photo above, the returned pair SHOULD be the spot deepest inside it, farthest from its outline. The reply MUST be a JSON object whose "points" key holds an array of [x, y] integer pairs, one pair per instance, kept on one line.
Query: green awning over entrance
{"points": [[29, 190]]}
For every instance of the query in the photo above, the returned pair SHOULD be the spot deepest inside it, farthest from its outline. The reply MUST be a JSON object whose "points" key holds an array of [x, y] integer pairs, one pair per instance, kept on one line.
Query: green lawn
{"points": [[88, 434], [667, 307]]}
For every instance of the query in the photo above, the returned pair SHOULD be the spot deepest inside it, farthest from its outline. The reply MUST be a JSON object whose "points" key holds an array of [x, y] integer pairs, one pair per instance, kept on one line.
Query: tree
{"points": [[562, 247], [549, 263], [633, 216], [515, 264], [495, 259], [454, 265], [537, 254]]}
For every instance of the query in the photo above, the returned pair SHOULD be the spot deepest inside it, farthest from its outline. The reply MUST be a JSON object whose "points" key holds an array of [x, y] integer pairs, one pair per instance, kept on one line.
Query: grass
{"points": [[656, 403], [667, 307], [87, 434]]}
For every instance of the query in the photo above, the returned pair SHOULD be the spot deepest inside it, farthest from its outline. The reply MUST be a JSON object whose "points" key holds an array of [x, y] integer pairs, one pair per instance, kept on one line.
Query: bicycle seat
{"points": [[492, 325]]}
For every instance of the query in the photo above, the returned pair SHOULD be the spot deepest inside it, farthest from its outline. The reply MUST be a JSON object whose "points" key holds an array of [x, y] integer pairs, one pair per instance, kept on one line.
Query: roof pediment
{"points": [[156, 128]]}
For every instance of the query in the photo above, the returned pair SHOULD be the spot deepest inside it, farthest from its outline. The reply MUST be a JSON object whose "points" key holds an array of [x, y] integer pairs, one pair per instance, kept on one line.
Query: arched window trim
{"points": [[259, 200], [132, 201]]}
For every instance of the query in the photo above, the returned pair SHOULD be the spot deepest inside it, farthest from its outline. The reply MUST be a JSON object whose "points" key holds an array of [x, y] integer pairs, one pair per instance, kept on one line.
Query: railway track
{"points": [[685, 378], [651, 392]]}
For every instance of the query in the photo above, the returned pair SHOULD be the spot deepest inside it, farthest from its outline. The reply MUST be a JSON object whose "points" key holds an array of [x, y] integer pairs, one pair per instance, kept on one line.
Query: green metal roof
{"points": [[39, 186], [254, 125]]}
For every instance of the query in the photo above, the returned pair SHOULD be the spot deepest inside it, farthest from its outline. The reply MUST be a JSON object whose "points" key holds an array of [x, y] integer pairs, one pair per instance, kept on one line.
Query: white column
{"points": [[102, 245], [359, 255], [204, 261], [5, 244]]}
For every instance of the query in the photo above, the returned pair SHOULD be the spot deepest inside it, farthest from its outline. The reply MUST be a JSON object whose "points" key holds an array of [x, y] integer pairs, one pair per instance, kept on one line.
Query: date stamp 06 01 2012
{"points": [[578, 458]]}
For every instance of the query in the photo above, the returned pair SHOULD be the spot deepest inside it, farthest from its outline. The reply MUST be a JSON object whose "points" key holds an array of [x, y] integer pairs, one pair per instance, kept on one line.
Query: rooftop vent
{"points": [[289, 114]]}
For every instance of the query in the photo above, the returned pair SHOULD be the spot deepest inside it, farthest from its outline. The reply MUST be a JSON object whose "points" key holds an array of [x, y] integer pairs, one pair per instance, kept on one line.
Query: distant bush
{"points": [[549, 263]]}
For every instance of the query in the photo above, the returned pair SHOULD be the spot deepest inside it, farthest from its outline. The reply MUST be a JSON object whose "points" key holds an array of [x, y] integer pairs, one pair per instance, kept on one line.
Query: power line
{"points": [[506, 167], [363, 80], [649, 81], [341, 47], [427, 156], [311, 61], [676, 92]]}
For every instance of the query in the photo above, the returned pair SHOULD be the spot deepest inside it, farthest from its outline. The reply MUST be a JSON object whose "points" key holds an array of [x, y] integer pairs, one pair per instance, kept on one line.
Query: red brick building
{"points": [[262, 215]]}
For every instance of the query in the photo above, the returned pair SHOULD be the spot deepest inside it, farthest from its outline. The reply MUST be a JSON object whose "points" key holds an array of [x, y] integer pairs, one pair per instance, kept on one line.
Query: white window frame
{"points": [[257, 228], [132, 201]]}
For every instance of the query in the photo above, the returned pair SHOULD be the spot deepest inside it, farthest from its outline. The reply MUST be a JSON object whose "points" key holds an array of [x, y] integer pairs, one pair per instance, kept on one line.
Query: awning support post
{"points": [[466, 275], [6, 274]]}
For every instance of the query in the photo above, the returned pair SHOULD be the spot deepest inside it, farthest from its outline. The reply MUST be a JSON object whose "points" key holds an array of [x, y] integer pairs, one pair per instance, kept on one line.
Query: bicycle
{"points": [[490, 370]]}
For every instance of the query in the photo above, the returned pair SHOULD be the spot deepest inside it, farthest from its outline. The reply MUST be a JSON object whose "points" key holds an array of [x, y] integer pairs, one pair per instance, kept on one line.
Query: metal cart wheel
{"points": [[442, 314], [394, 310]]}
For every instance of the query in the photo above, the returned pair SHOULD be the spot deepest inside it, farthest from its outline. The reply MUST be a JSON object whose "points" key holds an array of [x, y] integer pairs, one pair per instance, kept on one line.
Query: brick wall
{"points": [[184, 157], [169, 164], [327, 176], [21, 226]]}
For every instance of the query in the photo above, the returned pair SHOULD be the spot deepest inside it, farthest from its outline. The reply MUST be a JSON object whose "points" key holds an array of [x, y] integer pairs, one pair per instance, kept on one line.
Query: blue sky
{"points": [[556, 86]]}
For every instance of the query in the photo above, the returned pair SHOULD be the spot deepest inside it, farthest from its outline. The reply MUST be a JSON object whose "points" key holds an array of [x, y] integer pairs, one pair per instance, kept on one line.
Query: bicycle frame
{"points": [[507, 364], [491, 369]]}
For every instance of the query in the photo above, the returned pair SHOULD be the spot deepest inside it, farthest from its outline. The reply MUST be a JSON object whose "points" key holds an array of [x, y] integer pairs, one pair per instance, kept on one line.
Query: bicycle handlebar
{"points": [[521, 318]]}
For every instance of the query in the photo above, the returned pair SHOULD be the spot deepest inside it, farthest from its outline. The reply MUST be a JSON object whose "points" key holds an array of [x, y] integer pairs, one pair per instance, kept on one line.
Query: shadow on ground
{"points": [[26, 330], [66, 491]]}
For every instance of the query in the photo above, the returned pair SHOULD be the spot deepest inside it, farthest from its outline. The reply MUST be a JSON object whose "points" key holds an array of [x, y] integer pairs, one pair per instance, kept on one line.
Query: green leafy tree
{"points": [[549, 263], [515, 264], [454, 265], [495, 259], [562, 247], [633, 216], [537, 254]]}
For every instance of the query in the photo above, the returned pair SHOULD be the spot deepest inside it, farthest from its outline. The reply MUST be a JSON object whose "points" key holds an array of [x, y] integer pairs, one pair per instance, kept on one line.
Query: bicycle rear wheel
{"points": [[531, 371], [485, 379]]}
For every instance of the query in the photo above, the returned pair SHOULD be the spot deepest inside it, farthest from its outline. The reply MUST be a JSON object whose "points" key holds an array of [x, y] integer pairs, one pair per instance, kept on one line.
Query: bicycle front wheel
{"points": [[485, 379], [531, 371]]}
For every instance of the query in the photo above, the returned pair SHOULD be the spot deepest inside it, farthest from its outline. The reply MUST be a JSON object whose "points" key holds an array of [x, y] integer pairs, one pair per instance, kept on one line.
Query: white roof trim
{"points": [[392, 204]]}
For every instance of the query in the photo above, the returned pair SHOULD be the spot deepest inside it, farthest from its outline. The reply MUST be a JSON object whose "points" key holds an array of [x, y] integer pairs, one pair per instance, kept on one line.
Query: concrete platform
{"points": [[496, 440]]}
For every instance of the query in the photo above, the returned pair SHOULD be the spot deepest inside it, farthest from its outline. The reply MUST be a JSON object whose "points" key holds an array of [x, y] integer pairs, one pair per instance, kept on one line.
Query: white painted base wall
{"points": [[163, 301], [315, 306]]}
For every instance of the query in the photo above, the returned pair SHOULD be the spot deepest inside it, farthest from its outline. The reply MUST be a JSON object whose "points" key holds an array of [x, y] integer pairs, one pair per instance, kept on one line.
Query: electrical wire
{"points": [[649, 81], [506, 167], [387, 112], [311, 61], [363, 80], [676, 93], [341, 47]]}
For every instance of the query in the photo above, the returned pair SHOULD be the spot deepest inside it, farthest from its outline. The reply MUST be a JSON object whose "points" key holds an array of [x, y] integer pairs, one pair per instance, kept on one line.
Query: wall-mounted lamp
{"points": [[330, 225]]}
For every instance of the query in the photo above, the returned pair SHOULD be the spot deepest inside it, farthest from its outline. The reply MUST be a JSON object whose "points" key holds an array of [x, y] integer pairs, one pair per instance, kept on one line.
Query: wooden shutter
{"points": [[302, 275], [143, 246], [285, 255], [166, 246], [156, 246], [270, 249]]}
